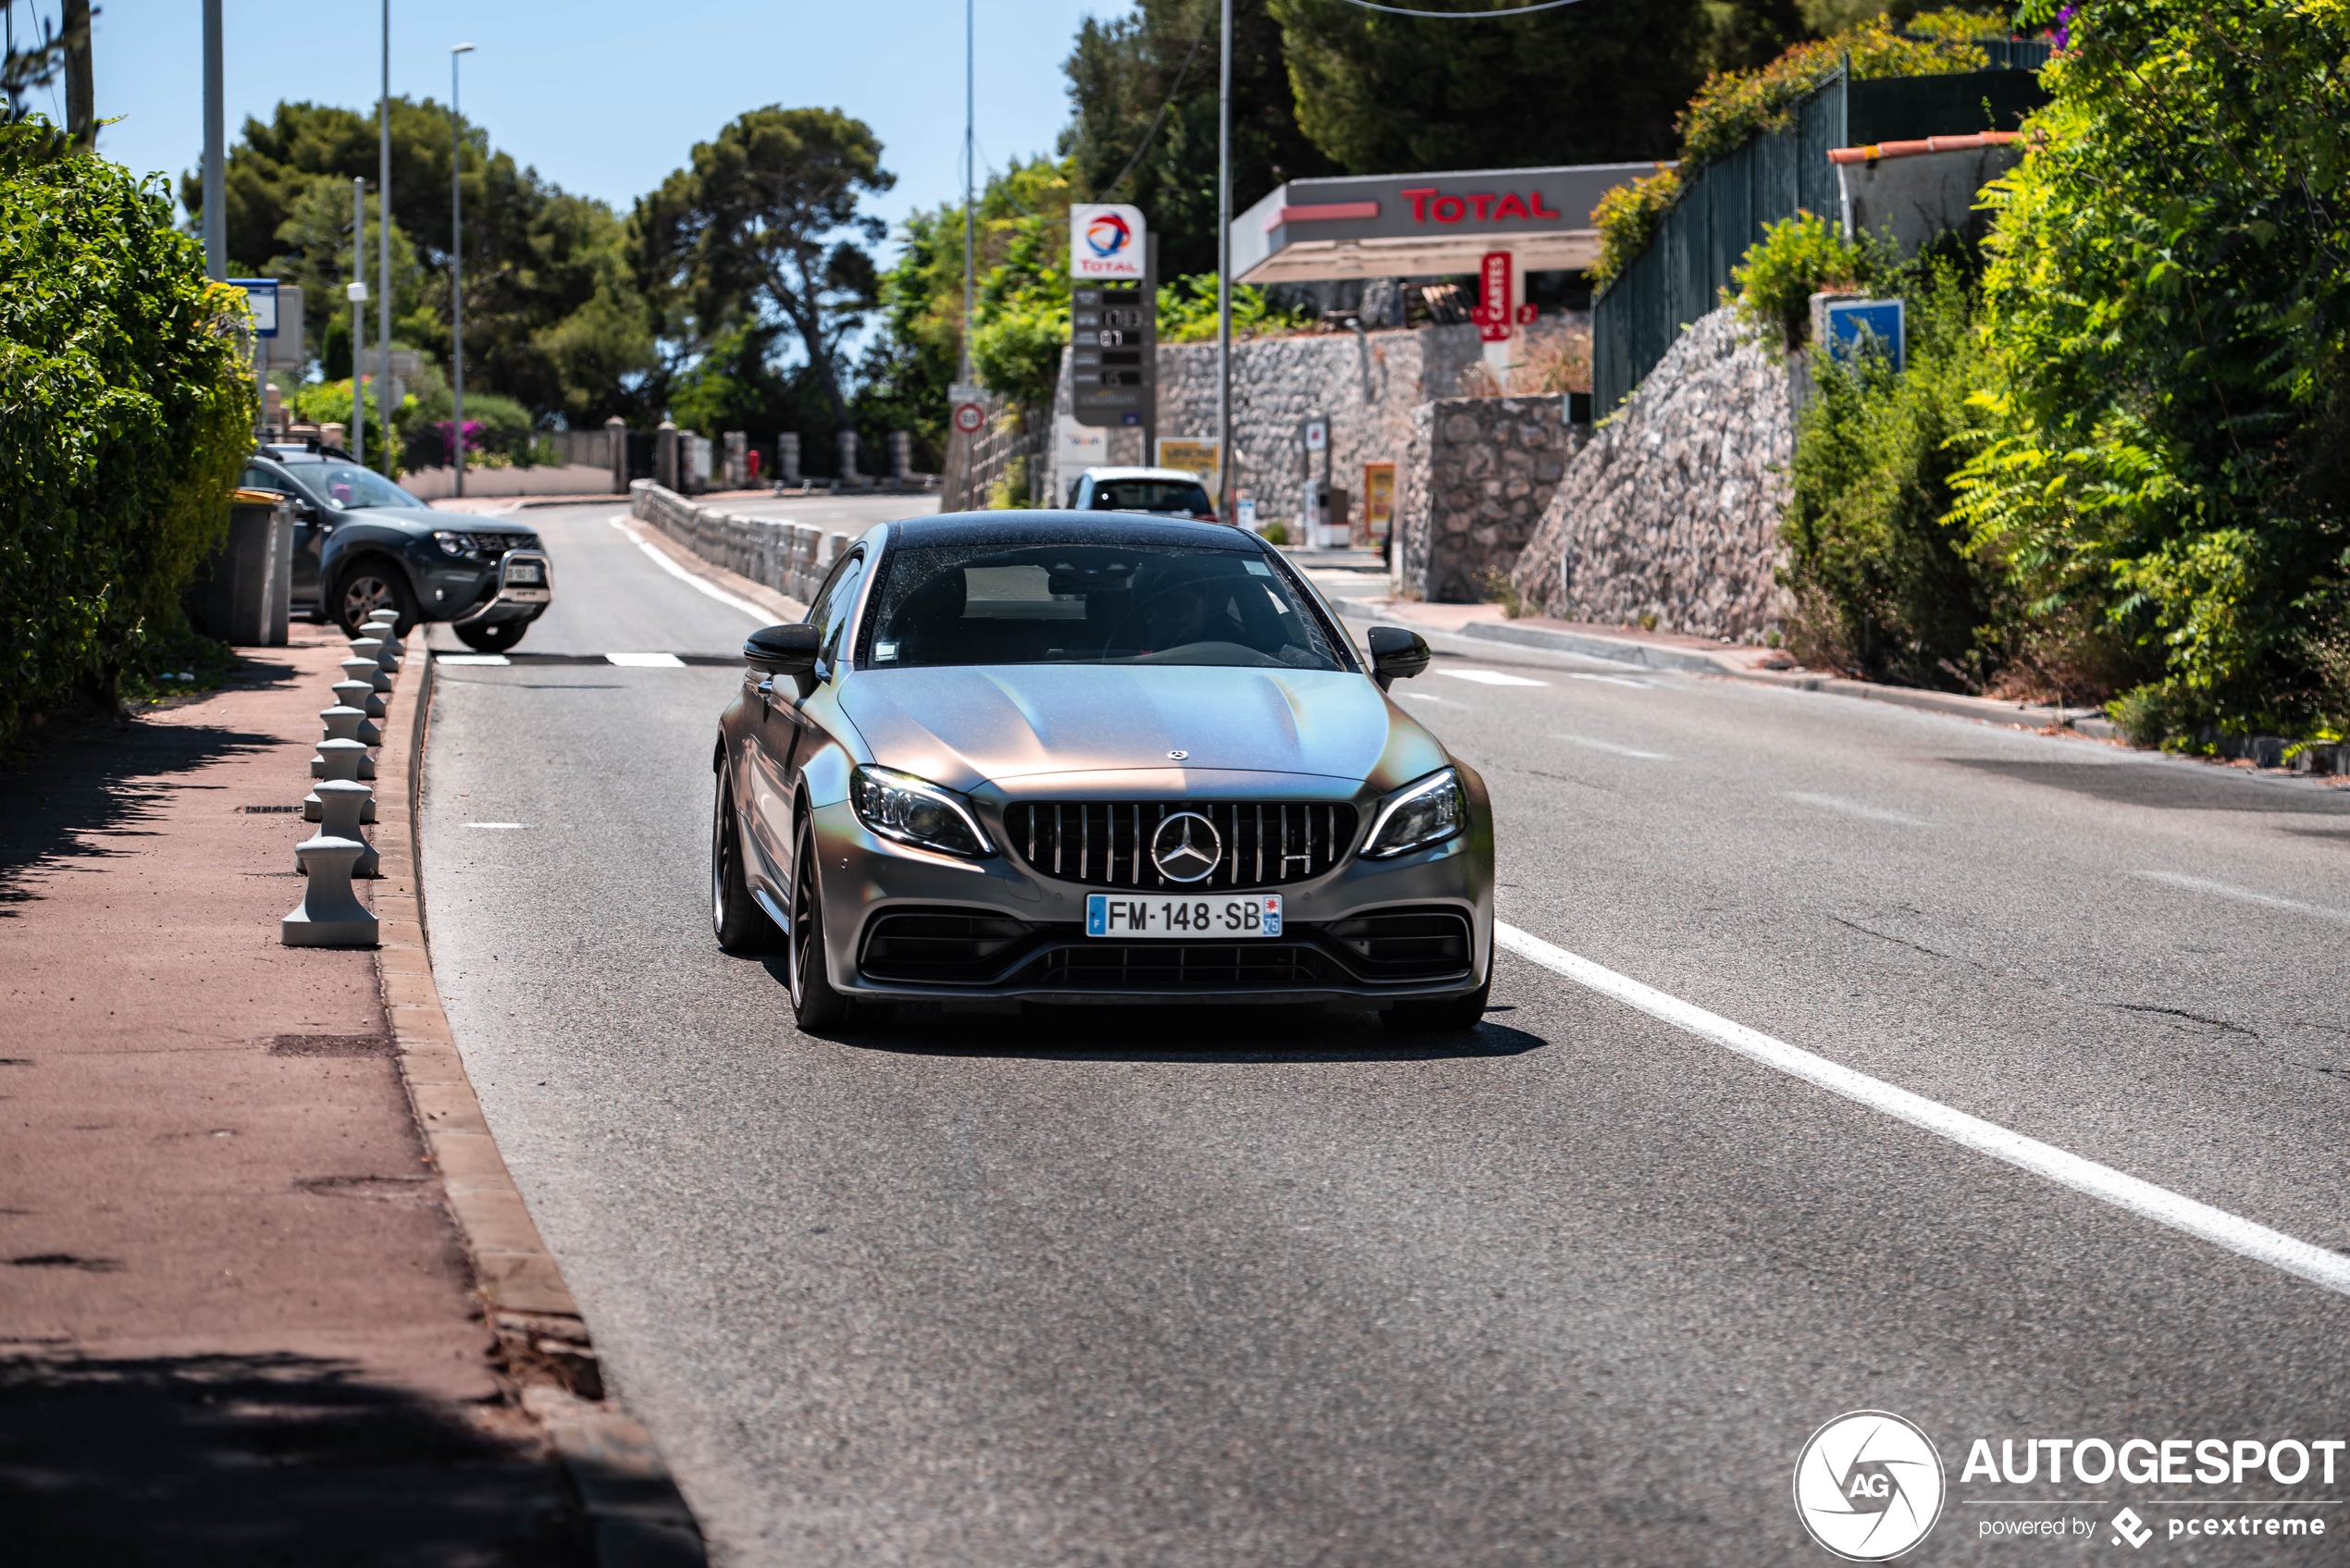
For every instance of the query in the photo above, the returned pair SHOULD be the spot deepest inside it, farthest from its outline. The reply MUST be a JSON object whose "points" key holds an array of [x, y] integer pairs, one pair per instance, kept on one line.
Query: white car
{"points": [[1166, 492]]}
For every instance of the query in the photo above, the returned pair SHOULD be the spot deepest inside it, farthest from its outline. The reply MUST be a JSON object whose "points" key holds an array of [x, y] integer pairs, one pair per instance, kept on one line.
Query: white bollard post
{"points": [[342, 804], [356, 668], [343, 722], [347, 761], [360, 694], [330, 914]]}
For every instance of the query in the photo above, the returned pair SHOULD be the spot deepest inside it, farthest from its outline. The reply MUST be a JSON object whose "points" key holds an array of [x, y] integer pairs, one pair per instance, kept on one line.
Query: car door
{"points": [[788, 732]]}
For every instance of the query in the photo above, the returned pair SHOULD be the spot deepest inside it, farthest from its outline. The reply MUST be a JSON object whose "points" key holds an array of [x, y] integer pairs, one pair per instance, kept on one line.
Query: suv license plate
{"points": [[524, 572], [1224, 917]]}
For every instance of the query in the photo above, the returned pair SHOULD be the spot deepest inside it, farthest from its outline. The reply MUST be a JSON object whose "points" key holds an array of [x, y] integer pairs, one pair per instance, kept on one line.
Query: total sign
{"points": [[1107, 240]]}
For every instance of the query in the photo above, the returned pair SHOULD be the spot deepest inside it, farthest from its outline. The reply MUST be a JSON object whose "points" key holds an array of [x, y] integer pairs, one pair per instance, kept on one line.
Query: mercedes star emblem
{"points": [[1186, 847], [1177, 756]]}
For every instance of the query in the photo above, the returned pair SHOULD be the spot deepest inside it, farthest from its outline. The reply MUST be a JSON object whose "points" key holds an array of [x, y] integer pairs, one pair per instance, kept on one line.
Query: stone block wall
{"points": [[1478, 477], [1671, 509], [791, 557]]}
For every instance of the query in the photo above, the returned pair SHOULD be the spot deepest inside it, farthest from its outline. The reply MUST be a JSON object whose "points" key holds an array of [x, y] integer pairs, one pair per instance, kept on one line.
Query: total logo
{"points": [[1107, 241], [1869, 1485]]}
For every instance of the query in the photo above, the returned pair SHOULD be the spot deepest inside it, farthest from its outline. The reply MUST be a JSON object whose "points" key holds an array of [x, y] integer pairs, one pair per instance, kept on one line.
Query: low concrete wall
{"points": [[1477, 476], [490, 484], [1672, 510], [791, 557]]}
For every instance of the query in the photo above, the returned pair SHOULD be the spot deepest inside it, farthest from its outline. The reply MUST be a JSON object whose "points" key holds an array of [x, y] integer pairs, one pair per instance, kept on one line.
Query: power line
{"points": [[1459, 16]]}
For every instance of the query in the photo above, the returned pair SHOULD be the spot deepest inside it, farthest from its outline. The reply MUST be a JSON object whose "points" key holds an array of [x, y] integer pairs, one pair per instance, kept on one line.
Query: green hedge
{"points": [[125, 413]]}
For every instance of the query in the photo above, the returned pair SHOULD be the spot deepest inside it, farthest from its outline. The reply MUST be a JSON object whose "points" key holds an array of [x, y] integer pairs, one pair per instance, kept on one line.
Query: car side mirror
{"points": [[782, 650], [1396, 655]]}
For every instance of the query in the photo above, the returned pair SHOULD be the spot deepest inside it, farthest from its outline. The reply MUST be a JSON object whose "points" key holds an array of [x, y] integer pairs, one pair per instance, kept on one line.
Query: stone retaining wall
{"points": [[1671, 509], [1479, 475], [791, 557]]}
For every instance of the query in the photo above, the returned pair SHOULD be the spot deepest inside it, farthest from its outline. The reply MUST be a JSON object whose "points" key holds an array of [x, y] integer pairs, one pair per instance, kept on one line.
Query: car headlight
{"points": [[1428, 813], [451, 544], [914, 811]]}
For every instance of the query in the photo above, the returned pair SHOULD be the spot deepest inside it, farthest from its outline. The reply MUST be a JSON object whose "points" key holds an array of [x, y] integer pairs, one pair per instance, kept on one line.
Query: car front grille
{"points": [[940, 946], [1180, 966], [1405, 943], [1108, 844]]}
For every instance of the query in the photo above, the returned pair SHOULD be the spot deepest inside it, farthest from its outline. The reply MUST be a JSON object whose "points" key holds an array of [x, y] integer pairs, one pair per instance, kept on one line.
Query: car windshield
{"points": [[1184, 496], [1089, 603], [349, 487]]}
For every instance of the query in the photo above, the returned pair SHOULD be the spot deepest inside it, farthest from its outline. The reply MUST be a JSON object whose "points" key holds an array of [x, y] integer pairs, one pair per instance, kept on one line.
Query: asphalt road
{"points": [[1194, 1288]]}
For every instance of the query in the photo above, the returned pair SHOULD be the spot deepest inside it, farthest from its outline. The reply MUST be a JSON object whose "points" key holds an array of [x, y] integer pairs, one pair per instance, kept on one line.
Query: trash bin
{"points": [[240, 593]]}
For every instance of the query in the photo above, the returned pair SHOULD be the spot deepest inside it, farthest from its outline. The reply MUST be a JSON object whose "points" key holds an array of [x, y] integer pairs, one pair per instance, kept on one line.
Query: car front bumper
{"points": [[1323, 956]]}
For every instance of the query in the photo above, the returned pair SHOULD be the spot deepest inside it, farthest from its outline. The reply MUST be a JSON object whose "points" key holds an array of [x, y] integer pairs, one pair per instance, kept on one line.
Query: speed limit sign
{"points": [[969, 417]]}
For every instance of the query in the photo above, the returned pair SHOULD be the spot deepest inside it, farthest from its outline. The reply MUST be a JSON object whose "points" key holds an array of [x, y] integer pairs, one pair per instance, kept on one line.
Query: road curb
{"points": [[638, 1517]]}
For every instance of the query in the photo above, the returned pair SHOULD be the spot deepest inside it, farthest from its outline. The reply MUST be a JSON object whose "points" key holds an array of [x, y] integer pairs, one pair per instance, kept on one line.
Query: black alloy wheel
{"points": [[814, 1004], [1449, 1014], [491, 637], [735, 919], [368, 586]]}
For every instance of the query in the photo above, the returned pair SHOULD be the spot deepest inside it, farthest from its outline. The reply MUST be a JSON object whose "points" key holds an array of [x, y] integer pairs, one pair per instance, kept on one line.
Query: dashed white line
{"points": [[644, 660], [2236, 1234], [499, 827], [1613, 680], [1854, 809], [492, 659], [1491, 678], [2245, 895], [1610, 745], [696, 584], [1432, 697]]}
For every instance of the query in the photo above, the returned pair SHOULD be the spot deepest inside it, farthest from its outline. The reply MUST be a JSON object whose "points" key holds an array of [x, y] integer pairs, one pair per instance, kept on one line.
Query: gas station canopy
{"points": [[1424, 225]]}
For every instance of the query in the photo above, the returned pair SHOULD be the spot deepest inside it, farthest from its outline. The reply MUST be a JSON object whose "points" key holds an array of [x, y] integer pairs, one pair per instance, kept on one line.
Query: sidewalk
{"points": [[236, 1321]]}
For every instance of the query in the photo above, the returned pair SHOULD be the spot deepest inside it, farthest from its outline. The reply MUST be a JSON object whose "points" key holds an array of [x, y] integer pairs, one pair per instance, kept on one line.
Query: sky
{"points": [[605, 99]]}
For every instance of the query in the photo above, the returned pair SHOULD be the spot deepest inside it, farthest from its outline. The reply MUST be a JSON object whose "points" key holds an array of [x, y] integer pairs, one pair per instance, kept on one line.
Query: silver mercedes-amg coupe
{"points": [[1057, 757]]}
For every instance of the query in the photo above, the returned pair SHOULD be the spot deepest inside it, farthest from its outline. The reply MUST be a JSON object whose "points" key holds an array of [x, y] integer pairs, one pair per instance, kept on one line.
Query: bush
{"points": [[1187, 312], [1794, 260], [1626, 218], [126, 414], [2166, 316]]}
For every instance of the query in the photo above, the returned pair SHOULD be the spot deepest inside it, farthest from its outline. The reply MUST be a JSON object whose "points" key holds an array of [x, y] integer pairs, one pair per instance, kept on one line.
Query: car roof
{"points": [[1013, 530], [1183, 475]]}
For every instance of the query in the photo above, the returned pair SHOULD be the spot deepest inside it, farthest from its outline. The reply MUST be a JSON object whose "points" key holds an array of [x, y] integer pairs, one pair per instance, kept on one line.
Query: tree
{"points": [[762, 227], [2167, 321], [1122, 74], [1592, 84]]}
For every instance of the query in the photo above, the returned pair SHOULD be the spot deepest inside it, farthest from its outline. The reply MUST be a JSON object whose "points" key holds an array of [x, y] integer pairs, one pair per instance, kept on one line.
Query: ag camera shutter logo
{"points": [[1869, 1485]]}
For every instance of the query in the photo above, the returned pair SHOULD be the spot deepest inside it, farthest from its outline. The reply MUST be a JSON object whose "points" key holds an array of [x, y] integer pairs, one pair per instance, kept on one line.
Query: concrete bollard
{"points": [[360, 694], [342, 804], [369, 670], [330, 914], [342, 760], [345, 722], [378, 649]]}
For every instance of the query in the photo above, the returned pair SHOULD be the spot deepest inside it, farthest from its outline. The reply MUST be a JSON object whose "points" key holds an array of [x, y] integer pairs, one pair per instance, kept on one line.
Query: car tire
{"points": [[1450, 1015], [366, 586], [814, 1004], [735, 919], [494, 637]]}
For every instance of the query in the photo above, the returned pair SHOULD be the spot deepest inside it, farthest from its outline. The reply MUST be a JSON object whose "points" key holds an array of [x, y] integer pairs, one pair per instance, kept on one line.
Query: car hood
{"points": [[429, 518], [966, 725]]}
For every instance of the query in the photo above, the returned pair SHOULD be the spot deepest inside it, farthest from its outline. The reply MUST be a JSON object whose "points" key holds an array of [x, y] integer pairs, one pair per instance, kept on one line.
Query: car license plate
{"points": [[524, 572], [1216, 917]]}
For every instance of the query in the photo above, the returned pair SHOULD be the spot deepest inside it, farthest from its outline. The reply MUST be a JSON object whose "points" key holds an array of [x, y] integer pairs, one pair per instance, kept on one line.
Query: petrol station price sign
{"points": [[1113, 318]]}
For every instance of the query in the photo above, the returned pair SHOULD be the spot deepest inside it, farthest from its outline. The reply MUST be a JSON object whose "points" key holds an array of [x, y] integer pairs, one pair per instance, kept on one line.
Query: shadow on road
{"points": [[259, 1459], [1233, 1036], [2165, 787]]}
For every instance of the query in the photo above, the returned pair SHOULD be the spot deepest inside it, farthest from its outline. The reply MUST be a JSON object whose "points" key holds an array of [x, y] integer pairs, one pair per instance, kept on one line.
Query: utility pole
{"points": [[81, 113], [971, 141], [383, 244], [1224, 507], [457, 269], [216, 182], [357, 294]]}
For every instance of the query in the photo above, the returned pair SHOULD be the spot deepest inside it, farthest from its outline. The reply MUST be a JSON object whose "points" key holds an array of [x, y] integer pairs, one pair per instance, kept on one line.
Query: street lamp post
{"points": [[383, 243], [457, 271], [1224, 504], [357, 294]]}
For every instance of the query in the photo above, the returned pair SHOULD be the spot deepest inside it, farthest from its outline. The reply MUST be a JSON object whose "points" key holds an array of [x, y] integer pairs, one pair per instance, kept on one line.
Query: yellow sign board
{"points": [[1378, 497], [1193, 455]]}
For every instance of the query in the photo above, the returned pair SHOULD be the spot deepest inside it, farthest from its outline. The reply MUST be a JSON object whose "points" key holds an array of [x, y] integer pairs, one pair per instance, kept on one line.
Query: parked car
{"points": [[1169, 493], [364, 544], [1060, 757]]}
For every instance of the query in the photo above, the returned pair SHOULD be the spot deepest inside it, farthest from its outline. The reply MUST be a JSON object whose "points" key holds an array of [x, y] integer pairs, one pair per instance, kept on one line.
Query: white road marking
{"points": [[1491, 678], [1610, 745], [472, 659], [1614, 681], [696, 584], [498, 826], [644, 660], [2246, 896], [2317, 1264], [1432, 697], [1854, 809]]}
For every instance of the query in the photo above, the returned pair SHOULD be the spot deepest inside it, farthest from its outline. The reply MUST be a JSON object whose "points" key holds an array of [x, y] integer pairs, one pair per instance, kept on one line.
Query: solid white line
{"points": [[1613, 680], [1491, 678], [644, 660], [2316, 1265], [1853, 808], [2246, 895], [763, 617], [1610, 745], [1432, 697], [498, 825], [470, 658]]}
